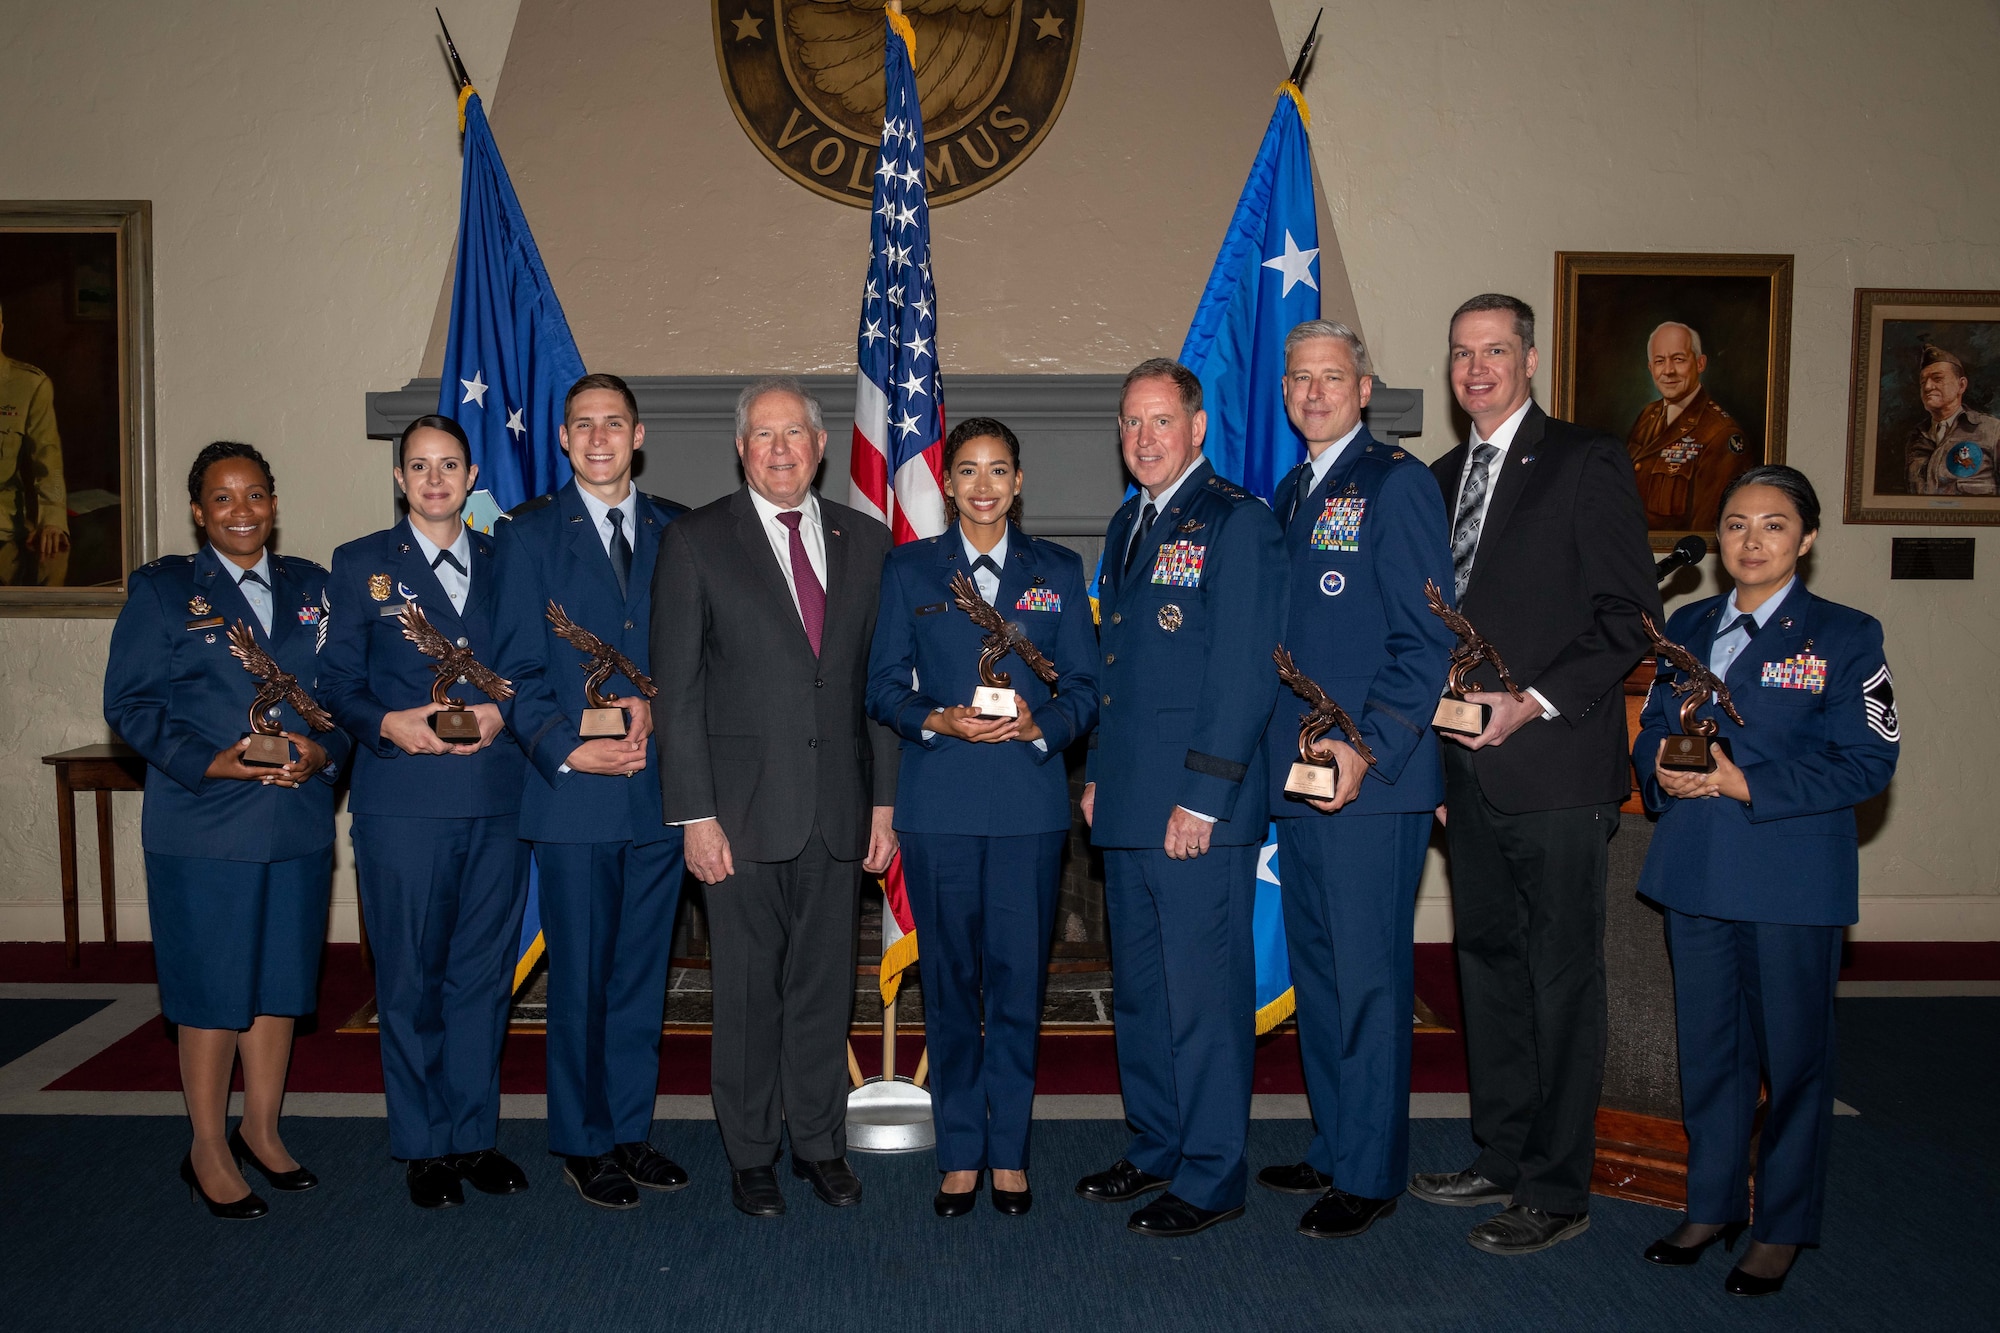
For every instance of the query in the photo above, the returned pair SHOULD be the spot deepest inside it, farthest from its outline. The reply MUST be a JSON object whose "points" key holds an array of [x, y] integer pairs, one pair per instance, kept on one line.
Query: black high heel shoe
{"points": [[958, 1205], [1740, 1283], [1681, 1256], [246, 1209], [291, 1182], [1012, 1203]]}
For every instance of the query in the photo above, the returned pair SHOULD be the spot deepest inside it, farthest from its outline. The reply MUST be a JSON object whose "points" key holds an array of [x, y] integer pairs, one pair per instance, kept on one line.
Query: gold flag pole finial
{"points": [[459, 77], [1295, 82]]}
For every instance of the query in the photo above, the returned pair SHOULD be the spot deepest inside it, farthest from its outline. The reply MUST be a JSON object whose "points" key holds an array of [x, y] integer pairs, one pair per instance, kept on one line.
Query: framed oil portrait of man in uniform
{"points": [[1924, 407], [1686, 358], [76, 421]]}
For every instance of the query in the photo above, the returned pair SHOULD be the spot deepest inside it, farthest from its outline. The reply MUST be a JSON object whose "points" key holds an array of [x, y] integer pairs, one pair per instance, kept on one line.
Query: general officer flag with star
{"points": [[508, 360], [1264, 283]]}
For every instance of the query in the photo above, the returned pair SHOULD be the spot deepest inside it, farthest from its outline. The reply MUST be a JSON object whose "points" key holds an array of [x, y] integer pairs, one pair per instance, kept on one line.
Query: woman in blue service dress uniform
{"points": [[982, 805], [1757, 866], [238, 857]]}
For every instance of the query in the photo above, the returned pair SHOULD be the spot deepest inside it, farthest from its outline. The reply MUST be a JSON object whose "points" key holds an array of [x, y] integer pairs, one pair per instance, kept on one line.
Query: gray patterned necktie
{"points": [[1471, 506]]}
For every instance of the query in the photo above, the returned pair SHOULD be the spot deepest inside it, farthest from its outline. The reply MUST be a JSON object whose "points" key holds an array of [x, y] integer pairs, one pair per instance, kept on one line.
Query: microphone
{"points": [[1687, 551]]}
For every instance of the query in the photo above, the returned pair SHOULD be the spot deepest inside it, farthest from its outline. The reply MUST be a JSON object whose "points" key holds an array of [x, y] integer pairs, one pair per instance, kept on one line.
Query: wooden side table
{"points": [[102, 769]]}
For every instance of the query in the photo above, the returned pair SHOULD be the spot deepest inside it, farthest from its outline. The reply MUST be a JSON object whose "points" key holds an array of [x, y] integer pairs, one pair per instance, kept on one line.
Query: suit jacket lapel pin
{"points": [[1786, 621], [834, 531], [1527, 459], [198, 605], [404, 547]]}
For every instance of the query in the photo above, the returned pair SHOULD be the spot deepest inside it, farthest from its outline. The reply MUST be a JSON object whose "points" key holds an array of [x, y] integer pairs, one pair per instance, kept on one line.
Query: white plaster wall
{"points": [[302, 159], [1463, 144]]}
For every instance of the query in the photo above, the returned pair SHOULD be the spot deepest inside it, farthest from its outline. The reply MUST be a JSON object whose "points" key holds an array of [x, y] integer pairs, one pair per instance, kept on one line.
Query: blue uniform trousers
{"points": [[236, 939], [1350, 895], [608, 920], [984, 908], [1753, 999], [1184, 999], [443, 900]]}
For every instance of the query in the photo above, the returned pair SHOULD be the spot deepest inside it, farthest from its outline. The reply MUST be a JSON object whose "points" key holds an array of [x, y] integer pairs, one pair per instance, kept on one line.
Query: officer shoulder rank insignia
{"points": [[1039, 599], [198, 605], [1179, 565], [1339, 527], [1804, 672], [1170, 617], [378, 587], [1878, 696]]}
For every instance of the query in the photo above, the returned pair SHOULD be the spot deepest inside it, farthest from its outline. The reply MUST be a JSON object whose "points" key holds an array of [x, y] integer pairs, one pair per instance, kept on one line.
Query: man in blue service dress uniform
{"points": [[443, 874], [610, 870], [1364, 527], [1191, 604]]}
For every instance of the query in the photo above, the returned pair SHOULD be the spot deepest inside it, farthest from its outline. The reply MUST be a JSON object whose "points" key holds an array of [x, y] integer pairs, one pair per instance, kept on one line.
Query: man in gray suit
{"points": [[763, 610]]}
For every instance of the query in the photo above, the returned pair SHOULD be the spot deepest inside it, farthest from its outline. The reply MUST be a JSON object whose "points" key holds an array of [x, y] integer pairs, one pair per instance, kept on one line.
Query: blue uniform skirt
{"points": [[235, 939]]}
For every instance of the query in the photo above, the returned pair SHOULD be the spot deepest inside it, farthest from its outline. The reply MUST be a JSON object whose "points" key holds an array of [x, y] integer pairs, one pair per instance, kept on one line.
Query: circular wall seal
{"points": [[805, 80]]}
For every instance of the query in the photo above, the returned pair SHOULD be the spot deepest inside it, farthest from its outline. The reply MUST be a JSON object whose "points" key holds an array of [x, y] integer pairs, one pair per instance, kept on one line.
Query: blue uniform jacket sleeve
{"points": [[545, 732], [1072, 710], [1246, 595], [1396, 718], [138, 691], [1656, 723], [892, 662], [343, 666], [1857, 761]]}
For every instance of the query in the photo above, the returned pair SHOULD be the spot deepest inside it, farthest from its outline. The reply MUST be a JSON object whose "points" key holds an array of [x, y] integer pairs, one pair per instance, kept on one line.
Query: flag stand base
{"points": [[885, 1117]]}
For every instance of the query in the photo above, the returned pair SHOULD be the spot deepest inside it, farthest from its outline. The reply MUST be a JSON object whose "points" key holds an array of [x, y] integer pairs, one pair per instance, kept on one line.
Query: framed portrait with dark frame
{"points": [[1686, 358], [76, 404], [1923, 411]]}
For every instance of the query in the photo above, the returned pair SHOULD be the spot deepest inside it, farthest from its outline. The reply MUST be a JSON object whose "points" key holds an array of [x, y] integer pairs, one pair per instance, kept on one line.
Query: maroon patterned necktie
{"points": [[812, 597]]}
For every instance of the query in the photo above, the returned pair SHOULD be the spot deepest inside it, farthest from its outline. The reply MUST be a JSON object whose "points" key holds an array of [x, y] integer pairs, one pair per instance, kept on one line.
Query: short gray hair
{"points": [[1185, 381], [1694, 336], [1332, 328], [1523, 313], [776, 384]]}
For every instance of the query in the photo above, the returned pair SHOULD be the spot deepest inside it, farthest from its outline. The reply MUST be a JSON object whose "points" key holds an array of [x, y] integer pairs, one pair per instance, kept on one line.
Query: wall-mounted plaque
{"points": [[1930, 557]]}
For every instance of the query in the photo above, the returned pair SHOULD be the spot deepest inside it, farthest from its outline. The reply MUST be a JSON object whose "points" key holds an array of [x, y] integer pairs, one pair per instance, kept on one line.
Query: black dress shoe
{"points": [[1458, 1189], [958, 1205], [833, 1180], [649, 1168], [756, 1192], [433, 1184], [1662, 1251], [1740, 1283], [291, 1182], [488, 1172], [1518, 1230], [1339, 1214], [1122, 1182], [600, 1181], [248, 1208], [1013, 1203], [1298, 1178], [1171, 1215]]}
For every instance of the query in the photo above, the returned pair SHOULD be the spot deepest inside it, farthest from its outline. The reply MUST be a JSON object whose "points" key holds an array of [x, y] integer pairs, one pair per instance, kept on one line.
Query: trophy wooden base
{"points": [[459, 726], [1315, 780], [599, 722], [996, 703], [267, 751], [1692, 754], [1461, 718]]}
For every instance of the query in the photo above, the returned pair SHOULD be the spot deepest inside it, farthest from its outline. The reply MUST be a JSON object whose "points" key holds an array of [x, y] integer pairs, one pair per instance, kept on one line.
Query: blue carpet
{"points": [[1910, 1243], [26, 1024]]}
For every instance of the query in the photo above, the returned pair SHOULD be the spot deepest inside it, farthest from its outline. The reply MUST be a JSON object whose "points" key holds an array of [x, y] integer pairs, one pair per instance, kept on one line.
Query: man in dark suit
{"points": [[1364, 530], [763, 610], [610, 871], [1551, 564], [1193, 600]]}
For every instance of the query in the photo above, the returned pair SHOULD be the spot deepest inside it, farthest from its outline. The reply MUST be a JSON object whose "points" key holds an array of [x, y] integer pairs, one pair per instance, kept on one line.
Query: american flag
{"points": [[897, 464], [896, 469]]}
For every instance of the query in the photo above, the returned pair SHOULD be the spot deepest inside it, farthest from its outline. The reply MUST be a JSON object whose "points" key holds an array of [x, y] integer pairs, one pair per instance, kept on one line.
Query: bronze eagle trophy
{"points": [[1454, 714], [604, 717], [994, 698], [268, 747], [1694, 750], [1313, 776], [453, 722]]}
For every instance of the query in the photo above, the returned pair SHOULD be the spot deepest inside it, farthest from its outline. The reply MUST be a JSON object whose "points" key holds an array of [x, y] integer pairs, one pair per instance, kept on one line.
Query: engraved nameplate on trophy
{"points": [[603, 717], [1311, 775], [1454, 714], [454, 722], [1695, 749], [993, 697], [268, 747]]}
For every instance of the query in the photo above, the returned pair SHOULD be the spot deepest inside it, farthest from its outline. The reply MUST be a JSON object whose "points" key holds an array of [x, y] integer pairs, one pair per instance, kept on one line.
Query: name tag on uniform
{"points": [[393, 609], [210, 623], [1795, 673], [1179, 564], [1039, 599], [933, 608], [1339, 527]]}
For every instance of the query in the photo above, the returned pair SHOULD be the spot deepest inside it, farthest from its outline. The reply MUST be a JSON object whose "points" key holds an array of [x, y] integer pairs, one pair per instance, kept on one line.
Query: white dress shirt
{"points": [[600, 515], [1722, 654], [810, 532], [1329, 456], [257, 594], [457, 583], [1503, 440], [1160, 501]]}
